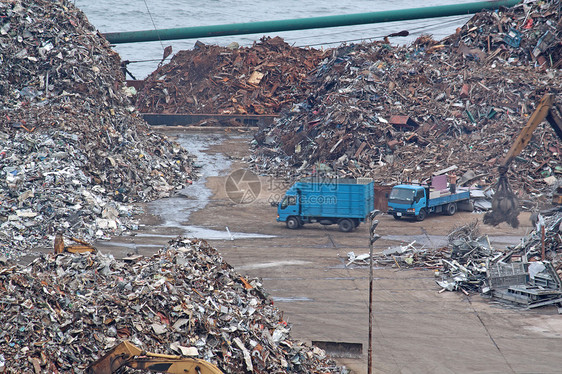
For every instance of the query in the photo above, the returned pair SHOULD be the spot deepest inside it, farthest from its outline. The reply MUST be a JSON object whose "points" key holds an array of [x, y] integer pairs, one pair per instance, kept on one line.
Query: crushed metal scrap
{"points": [[74, 154], [514, 274], [527, 274], [403, 113], [261, 79], [62, 312]]}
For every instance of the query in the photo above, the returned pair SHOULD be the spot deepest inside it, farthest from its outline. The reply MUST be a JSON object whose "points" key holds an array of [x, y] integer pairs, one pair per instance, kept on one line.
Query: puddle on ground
{"points": [[290, 299], [155, 236], [210, 234], [265, 265], [175, 211]]}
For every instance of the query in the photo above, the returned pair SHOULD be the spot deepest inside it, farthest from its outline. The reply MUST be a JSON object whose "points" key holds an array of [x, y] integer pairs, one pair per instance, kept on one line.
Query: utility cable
{"points": [[432, 26], [154, 24], [417, 30]]}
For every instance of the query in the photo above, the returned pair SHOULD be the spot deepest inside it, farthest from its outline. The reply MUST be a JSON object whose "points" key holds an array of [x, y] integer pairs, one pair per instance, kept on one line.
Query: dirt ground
{"points": [[416, 329]]}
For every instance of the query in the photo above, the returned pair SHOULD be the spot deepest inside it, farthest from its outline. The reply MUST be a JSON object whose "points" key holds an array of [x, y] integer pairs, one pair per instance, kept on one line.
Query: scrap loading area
{"points": [[323, 291], [171, 238]]}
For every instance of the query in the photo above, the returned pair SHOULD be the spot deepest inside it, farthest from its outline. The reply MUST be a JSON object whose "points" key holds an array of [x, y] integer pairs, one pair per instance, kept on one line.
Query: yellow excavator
{"points": [[128, 354], [81, 247], [505, 206]]}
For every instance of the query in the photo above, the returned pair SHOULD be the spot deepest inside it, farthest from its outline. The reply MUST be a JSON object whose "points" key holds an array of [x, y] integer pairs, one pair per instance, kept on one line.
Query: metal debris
{"points": [[470, 264], [403, 256], [527, 274], [460, 100], [74, 154], [60, 313], [529, 285], [262, 79]]}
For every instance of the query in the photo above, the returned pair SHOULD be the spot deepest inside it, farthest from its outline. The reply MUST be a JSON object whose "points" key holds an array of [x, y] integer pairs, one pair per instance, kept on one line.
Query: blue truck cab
{"points": [[345, 202], [417, 201]]}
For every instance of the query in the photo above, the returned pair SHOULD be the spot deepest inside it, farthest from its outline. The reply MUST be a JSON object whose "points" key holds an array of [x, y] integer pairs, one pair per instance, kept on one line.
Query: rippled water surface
{"points": [[135, 15]]}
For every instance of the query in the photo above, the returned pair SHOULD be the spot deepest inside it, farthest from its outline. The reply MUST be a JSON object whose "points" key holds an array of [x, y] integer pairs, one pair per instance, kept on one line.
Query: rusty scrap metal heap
{"points": [[261, 79], [532, 244], [470, 264], [72, 149], [475, 266], [397, 113], [61, 312]]}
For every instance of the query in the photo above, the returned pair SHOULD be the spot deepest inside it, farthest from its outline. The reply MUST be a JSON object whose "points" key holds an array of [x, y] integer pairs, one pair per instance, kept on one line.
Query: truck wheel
{"points": [[396, 216], [293, 223], [346, 225], [422, 215], [451, 209]]}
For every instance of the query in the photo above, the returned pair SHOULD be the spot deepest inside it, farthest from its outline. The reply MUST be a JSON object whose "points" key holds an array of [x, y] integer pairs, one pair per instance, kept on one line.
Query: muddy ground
{"points": [[416, 329]]}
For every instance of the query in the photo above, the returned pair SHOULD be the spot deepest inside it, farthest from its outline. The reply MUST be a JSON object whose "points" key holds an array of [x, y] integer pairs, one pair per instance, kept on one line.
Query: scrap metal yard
{"points": [[324, 297], [184, 238]]}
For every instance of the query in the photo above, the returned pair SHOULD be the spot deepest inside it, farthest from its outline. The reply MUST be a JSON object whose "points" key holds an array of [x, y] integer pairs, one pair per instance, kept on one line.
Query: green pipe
{"points": [[304, 23]]}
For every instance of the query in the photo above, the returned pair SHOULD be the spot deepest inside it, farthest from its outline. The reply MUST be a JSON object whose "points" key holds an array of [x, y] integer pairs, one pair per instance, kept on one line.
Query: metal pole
{"points": [[370, 351], [372, 238], [305, 23]]}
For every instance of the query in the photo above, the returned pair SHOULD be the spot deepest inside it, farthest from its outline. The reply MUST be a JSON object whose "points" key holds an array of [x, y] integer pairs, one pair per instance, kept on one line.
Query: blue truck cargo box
{"points": [[328, 201]]}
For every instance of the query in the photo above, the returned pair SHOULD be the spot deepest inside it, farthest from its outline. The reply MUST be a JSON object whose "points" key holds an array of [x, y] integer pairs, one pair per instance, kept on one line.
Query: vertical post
{"points": [[543, 254], [370, 351], [372, 238]]}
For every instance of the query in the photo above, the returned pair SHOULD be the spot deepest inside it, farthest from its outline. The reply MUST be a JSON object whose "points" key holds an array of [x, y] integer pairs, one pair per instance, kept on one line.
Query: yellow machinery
{"points": [[127, 354], [81, 247], [505, 206]]}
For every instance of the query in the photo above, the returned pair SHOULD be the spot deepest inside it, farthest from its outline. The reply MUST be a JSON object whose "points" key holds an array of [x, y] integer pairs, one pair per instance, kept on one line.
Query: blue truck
{"points": [[345, 202], [417, 201]]}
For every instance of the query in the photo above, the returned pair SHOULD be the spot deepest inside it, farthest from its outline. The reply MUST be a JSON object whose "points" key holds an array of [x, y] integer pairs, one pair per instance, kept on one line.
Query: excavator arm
{"points": [[543, 111], [505, 206], [127, 354]]}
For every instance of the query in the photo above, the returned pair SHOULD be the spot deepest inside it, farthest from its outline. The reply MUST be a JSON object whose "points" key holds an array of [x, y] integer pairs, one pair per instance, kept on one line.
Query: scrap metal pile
{"points": [[409, 256], [398, 113], [221, 80], [60, 313], [527, 274], [73, 151]]}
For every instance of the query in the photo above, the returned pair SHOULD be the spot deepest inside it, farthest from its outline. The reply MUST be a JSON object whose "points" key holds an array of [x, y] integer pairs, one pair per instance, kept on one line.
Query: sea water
{"points": [[136, 15]]}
